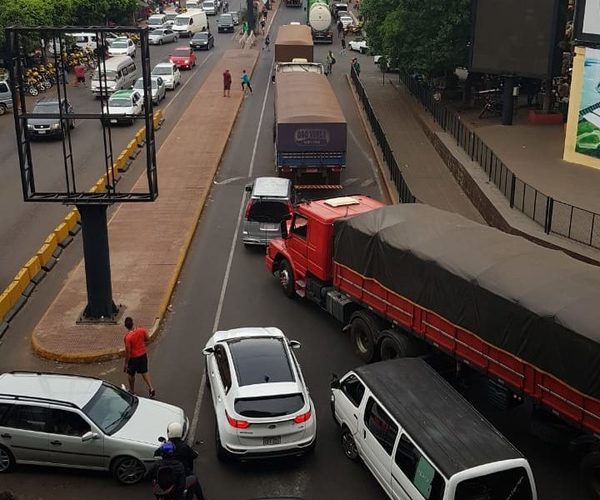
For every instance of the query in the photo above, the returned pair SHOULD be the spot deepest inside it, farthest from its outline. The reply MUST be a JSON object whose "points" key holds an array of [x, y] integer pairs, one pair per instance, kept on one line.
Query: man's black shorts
{"points": [[137, 365]]}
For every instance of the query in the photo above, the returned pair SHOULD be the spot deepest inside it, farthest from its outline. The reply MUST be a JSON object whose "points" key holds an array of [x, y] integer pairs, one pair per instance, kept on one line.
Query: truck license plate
{"points": [[272, 440], [113, 121], [311, 170]]}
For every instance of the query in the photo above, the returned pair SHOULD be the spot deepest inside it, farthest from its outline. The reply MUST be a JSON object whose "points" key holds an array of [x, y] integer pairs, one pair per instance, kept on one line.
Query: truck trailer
{"points": [[408, 280], [294, 41], [309, 131], [319, 20]]}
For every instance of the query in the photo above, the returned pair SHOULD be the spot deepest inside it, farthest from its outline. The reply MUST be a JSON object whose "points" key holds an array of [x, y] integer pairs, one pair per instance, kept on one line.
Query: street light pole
{"points": [[250, 11]]}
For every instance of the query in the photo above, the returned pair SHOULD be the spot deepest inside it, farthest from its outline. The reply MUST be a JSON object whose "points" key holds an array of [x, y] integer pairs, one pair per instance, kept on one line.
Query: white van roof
{"points": [[115, 62]]}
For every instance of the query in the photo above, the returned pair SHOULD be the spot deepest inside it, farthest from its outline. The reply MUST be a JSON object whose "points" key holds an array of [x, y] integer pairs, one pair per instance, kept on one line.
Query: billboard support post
{"points": [[508, 100]]}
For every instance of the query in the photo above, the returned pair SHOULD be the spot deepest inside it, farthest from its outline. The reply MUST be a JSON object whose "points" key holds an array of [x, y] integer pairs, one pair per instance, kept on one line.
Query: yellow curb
{"points": [[51, 241], [71, 219], [11, 292], [5, 303], [45, 253], [62, 232], [391, 194], [33, 266], [21, 281]]}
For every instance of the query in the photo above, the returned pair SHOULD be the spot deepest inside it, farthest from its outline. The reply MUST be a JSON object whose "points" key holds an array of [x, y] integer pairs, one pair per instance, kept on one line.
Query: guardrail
{"points": [[18, 291], [553, 215], [404, 193]]}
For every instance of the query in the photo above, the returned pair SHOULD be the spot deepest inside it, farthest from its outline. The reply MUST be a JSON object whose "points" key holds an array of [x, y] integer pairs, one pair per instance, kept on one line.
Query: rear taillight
{"points": [[249, 208], [238, 424], [305, 417]]}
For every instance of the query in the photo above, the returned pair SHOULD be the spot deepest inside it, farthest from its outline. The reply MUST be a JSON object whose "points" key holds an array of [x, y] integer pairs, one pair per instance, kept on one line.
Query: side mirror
{"points": [[335, 381], [283, 227], [88, 436], [248, 188], [294, 344], [208, 350], [161, 439]]}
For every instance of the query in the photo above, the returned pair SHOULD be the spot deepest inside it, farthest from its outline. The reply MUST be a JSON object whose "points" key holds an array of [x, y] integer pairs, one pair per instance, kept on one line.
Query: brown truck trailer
{"points": [[309, 131], [294, 41]]}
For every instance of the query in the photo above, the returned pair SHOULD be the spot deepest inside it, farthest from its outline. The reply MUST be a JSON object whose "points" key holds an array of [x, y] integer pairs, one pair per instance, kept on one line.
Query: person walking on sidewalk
{"points": [[263, 23], [136, 358], [356, 66], [343, 51], [267, 43], [245, 79], [79, 73], [226, 83], [330, 62]]}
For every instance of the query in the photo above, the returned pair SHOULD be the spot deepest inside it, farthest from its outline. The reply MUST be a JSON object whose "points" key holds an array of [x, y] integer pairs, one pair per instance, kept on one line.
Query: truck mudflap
{"points": [[317, 186]]}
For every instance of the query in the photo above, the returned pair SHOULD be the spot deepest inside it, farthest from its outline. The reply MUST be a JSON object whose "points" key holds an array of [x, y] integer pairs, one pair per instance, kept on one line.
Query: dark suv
{"points": [[202, 40], [51, 127]]}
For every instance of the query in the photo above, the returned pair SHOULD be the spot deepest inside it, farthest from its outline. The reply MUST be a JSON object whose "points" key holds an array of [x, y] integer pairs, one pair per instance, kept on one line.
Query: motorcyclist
{"points": [[186, 455], [168, 474]]}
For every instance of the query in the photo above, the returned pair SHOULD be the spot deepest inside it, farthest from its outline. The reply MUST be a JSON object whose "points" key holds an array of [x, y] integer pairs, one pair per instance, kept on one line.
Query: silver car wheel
{"points": [[6, 460], [129, 470]]}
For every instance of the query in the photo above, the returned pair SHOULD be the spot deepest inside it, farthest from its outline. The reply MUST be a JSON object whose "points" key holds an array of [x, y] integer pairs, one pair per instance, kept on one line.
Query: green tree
{"points": [[427, 36]]}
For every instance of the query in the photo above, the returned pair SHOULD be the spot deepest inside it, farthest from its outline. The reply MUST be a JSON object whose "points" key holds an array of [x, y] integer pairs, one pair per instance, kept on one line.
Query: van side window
{"points": [[132, 68], [381, 426], [419, 470], [353, 389], [223, 366], [191, 21], [125, 70], [3, 87]]}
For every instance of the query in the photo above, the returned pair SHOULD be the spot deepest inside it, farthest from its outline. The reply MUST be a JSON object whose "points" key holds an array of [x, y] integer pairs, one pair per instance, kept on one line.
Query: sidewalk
{"points": [[149, 241], [532, 152]]}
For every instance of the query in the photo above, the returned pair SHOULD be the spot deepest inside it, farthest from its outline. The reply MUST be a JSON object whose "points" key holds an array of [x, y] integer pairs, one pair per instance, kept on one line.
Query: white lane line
{"points": [[194, 424], [184, 85]]}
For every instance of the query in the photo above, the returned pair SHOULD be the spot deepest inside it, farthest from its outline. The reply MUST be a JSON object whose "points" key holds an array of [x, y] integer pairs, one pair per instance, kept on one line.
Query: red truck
{"points": [[407, 280]]}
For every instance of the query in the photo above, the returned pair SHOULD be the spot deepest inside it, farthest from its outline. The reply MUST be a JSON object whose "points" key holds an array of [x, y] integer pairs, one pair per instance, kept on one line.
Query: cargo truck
{"points": [[309, 131], [294, 41], [319, 20], [409, 280], [293, 3]]}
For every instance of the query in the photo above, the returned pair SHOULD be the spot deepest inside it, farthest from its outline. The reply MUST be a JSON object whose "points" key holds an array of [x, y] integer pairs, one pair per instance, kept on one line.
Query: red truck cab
{"points": [[308, 246]]}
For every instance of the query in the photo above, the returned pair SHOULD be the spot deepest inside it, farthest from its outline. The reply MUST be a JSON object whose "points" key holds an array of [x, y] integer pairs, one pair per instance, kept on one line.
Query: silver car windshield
{"points": [[161, 71], [139, 85], [111, 408]]}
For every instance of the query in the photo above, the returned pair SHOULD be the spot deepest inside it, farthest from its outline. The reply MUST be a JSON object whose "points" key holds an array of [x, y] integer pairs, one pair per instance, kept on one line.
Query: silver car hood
{"points": [[150, 421]]}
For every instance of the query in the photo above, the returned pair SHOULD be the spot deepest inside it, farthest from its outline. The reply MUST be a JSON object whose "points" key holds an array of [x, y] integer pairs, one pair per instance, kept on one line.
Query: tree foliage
{"points": [[426, 36]]}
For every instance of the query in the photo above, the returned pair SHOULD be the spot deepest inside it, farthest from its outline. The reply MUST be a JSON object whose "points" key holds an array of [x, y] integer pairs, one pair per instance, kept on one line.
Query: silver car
{"points": [[159, 89], [270, 203], [162, 35], [80, 422]]}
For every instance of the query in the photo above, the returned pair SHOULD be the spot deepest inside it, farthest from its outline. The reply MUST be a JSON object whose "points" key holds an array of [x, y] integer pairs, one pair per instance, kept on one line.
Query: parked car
{"points": [[170, 74], [79, 422], [270, 203], [235, 15], [122, 47], [123, 106], [346, 20], [261, 401], [5, 98], [225, 23], [50, 127], [160, 36], [159, 89], [183, 58], [202, 41], [359, 45], [338, 9]]}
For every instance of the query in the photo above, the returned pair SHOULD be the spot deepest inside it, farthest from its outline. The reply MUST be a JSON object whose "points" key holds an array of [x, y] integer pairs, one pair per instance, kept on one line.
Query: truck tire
{"points": [[364, 329], [286, 279], [590, 473], [398, 345]]}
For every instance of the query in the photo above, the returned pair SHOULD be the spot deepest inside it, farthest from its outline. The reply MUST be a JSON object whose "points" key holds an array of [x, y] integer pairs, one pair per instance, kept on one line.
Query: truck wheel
{"points": [[590, 473], [286, 279], [398, 345], [363, 334]]}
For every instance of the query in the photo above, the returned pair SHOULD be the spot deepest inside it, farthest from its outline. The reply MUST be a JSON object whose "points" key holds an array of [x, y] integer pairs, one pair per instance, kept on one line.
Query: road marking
{"points": [[227, 181], [184, 85], [194, 424]]}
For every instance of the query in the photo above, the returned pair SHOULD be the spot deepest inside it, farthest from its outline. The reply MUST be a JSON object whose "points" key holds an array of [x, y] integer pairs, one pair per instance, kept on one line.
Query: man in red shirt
{"points": [[226, 83], [79, 73], [136, 358]]}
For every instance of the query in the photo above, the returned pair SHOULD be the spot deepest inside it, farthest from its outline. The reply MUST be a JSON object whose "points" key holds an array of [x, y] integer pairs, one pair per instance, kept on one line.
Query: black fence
{"points": [[404, 192], [554, 216]]}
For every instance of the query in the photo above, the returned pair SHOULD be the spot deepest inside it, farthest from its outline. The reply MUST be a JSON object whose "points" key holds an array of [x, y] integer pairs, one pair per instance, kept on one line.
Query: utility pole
{"points": [[250, 17]]}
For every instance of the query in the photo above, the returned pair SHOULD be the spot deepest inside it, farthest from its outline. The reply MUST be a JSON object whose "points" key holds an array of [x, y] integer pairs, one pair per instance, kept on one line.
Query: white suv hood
{"points": [[150, 421]]}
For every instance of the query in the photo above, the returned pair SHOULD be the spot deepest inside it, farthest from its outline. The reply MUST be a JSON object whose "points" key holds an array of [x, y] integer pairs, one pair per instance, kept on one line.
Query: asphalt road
{"points": [[223, 285], [25, 226]]}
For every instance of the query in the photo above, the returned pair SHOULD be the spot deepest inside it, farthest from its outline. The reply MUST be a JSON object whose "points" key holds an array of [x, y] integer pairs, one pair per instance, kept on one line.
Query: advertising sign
{"points": [[587, 22]]}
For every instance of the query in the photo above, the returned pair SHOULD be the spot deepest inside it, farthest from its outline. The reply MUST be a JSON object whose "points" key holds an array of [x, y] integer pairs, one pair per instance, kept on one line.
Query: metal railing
{"points": [[404, 193], [553, 215]]}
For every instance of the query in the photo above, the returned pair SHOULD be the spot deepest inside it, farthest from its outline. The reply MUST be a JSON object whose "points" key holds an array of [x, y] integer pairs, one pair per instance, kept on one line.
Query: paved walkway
{"points": [[149, 241]]}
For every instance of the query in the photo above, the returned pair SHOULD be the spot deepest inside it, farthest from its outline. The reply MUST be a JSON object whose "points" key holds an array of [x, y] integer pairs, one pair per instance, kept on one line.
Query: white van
{"points": [[193, 4], [190, 22], [121, 73], [423, 440], [210, 7], [84, 40], [157, 21]]}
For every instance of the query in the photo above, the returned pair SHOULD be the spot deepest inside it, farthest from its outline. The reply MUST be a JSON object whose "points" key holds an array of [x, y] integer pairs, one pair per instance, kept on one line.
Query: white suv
{"points": [[80, 422], [261, 402]]}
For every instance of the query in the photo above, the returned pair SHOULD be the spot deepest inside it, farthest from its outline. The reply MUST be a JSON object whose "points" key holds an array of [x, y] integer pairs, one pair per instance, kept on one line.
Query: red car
{"points": [[183, 57]]}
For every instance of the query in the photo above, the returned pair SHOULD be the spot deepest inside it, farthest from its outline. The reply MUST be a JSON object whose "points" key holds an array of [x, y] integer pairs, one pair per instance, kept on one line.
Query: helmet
{"points": [[166, 449], [174, 430]]}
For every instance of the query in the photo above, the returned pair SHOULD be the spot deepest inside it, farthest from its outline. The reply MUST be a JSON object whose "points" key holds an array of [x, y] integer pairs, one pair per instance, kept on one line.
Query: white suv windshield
{"points": [[161, 71], [182, 21], [111, 408]]}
